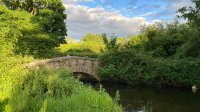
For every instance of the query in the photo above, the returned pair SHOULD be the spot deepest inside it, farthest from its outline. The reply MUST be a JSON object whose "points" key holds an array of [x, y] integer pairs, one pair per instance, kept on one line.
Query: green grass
{"points": [[46, 90], [87, 100]]}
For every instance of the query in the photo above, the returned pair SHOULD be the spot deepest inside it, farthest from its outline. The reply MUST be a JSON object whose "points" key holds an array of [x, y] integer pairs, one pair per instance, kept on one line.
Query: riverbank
{"points": [[48, 90], [131, 67]]}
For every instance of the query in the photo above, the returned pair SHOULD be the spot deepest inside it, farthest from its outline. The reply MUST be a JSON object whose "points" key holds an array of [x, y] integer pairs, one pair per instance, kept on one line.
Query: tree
{"points": [[24, 33], [34, 6], [121, 41], [39, 25], [49, 13], [111, 44], [161, 39], [94, 42], [192, 14], [136, 41]]}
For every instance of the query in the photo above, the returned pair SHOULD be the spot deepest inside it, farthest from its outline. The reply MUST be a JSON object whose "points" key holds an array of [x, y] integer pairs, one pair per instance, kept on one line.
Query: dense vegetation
{"points": [[32, 34], [50, 91], [90, 45], [162, 54], [133, 67], [30, 29]]}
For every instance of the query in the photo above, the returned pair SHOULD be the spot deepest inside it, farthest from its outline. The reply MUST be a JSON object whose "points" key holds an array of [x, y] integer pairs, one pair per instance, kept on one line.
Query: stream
{"points": [[153, 99]]}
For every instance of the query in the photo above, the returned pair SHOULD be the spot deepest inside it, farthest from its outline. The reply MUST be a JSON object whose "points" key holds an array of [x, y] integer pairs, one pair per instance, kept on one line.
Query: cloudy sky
{"points": [[121, 17]]}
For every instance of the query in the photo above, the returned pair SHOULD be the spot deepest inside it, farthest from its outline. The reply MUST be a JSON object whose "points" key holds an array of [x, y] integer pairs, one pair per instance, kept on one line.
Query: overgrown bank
{"points": [[162, 54], [133, 67], [46, 90]]}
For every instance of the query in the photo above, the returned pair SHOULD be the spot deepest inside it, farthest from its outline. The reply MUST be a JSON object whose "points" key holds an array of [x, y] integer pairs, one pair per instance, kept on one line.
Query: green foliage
{"points": [[50, 13], [90, 45], [52, 22], [162, 54], [110, 43], [86, 100], [34, 6], [132, 67], [94, 42], [77, 49], [27, 34], [191, 49], [172, 40], [30, 45], [23, 90], [191, 14], [163, 39], [136, 42], [48, 91], [167, 40]]}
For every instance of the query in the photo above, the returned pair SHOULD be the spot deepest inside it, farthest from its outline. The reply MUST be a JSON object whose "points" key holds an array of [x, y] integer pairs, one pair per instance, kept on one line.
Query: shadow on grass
{"points": [[3, 104]]}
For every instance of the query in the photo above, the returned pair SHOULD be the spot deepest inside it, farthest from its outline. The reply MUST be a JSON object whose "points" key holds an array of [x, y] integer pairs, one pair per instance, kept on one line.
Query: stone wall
{"points": [[76, 64]]}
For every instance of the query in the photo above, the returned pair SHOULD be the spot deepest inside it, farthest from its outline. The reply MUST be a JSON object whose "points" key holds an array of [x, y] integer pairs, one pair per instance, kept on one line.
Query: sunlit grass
{"points": [[45, 90]]}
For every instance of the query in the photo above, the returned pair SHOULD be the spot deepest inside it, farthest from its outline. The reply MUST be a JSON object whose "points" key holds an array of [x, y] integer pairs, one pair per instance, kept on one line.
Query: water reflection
{"points": [[143, 107], [150, 99]]}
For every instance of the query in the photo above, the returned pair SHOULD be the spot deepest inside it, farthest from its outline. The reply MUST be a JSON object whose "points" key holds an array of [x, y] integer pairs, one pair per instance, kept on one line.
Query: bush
{"points": [[132, 67], [78, 49]]}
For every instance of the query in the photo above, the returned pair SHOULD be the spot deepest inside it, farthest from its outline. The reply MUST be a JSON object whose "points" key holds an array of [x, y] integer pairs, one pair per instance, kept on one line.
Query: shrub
{"points": [[131, 67]]}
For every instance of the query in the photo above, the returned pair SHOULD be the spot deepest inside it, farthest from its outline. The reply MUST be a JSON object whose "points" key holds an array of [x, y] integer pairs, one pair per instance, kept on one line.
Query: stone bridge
{"points": [[82, 67]]}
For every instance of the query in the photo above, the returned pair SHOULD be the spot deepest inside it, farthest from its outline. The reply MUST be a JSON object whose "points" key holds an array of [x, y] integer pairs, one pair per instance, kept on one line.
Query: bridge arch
{"points": [[85, 76], [82, 65]]}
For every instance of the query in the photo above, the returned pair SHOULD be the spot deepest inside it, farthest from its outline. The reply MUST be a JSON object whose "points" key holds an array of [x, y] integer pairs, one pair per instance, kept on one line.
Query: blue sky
{"points": [[151, 9], [121, 17]]}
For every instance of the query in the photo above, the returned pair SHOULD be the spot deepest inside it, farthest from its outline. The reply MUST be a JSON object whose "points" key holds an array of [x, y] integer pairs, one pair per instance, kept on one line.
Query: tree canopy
{"points": [[29, 32], [192, 14]]}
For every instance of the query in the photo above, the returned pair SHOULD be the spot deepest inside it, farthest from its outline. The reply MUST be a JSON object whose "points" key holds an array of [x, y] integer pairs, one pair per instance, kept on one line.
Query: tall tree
{"points": [[50, 12], [192, 14], [36, 33]]}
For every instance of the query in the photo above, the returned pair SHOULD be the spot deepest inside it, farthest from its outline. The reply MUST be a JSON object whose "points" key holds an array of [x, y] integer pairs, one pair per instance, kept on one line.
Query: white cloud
{"points": [[82, 20]]}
